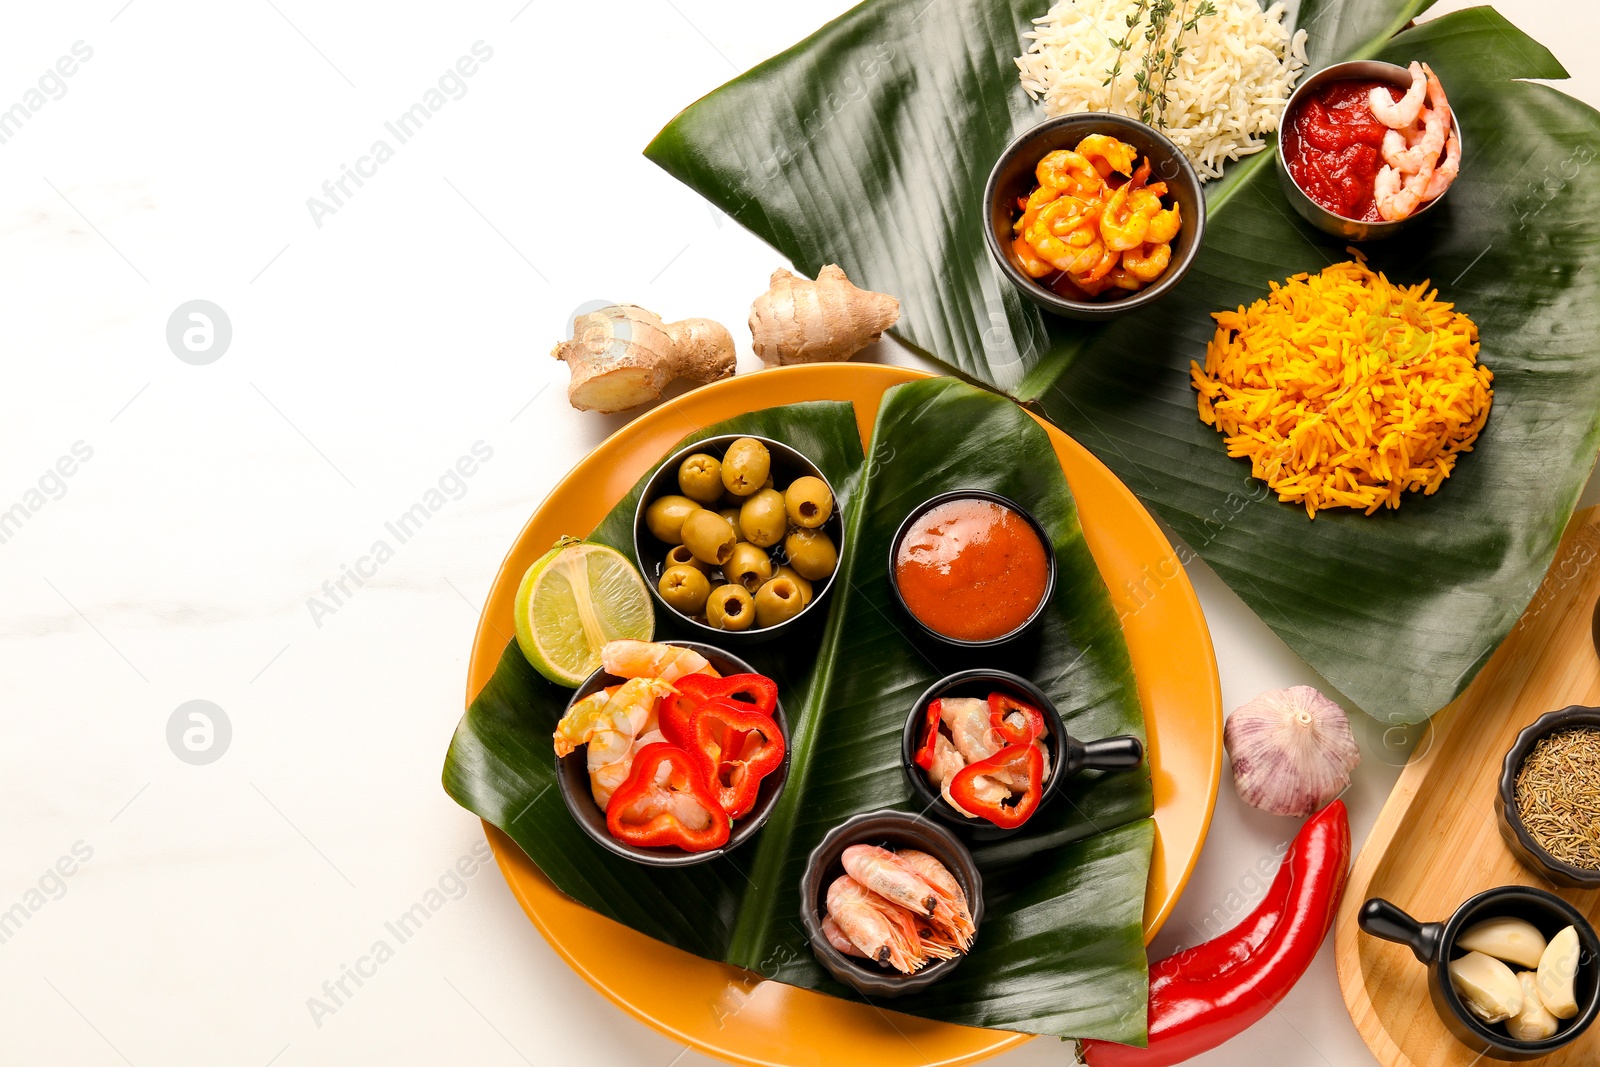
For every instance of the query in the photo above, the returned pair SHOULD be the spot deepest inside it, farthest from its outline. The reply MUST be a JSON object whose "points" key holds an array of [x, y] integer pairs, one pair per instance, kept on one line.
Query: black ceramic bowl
{"points": [[1515, 833], [787, 465], [1068, 755], [1313, 212], [1434, 945], [993, 498], [1013, 178], [892, 830], [572, 775]]}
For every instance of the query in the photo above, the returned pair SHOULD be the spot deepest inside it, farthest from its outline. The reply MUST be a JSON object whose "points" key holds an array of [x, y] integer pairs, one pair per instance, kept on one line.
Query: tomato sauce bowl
{"points": [[1319, 215], [977, 570]]}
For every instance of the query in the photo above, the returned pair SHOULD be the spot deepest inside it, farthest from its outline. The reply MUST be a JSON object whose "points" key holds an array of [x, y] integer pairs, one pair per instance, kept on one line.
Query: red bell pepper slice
{"points": [[1207, 994], [648, 809], [1001, 707], [753, 692], [736, 747], [1018, 768], [930, 735]]}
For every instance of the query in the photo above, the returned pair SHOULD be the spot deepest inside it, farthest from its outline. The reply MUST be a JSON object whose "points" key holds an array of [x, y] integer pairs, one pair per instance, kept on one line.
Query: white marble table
{"points": [[190, 527]]}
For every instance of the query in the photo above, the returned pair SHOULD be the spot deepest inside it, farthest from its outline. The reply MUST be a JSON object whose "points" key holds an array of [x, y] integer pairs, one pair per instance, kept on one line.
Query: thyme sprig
{"points": [[1165, 24]]}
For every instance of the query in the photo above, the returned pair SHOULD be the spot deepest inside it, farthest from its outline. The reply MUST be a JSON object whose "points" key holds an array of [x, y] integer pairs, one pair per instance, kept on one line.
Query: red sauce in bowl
{"points": [[1333, 144], [972, 570]]}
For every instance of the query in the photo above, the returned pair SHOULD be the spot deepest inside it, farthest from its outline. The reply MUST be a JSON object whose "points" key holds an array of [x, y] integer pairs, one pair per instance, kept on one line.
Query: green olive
{"points": [[665, 517], [731, 607], [763, 519], [685, 588], [749, 566], [804, 586], [808, 501], [746, 466], [680, 556], [778, 601], [700, 478], [709, 536], [811, 553]]}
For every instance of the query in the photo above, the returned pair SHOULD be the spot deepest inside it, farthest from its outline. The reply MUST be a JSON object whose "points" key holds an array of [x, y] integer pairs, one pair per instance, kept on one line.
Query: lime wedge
{"points": [[572, 601]]}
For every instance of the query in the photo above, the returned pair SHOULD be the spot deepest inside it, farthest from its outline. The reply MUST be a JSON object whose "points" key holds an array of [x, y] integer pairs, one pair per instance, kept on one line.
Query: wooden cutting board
{"points": [[1436, 842]]}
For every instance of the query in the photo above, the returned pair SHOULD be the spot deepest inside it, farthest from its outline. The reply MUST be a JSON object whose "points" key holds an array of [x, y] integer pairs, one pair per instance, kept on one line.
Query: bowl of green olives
{"points": [[739, 536]]}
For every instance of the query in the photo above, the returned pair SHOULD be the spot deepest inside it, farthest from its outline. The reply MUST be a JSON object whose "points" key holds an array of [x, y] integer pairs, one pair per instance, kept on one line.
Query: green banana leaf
{"points": [[869, 143], [1061, 948]]}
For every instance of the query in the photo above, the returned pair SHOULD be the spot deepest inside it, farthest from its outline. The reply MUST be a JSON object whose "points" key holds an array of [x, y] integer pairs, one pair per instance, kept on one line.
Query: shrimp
{"points": [[1121, 227], [614, 723], [652, 659], [1069, 172], [967, 719], [672, 795], [1123, 280], [1398, 114], [1398, 196], [1446, 172], [879, 933], [1095, 263], [882, 872], [1057, 220], [1029, 260], [1164, 225], [953, 914], [1108, 154], [946, 760], [1148, 262], [836, 938]]}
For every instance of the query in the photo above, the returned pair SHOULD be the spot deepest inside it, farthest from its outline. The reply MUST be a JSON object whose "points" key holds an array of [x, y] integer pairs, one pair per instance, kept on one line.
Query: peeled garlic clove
{"points": [[1292, 750], [1533, 1022], [1512, 940], [1558, 974], [1487, 987]]}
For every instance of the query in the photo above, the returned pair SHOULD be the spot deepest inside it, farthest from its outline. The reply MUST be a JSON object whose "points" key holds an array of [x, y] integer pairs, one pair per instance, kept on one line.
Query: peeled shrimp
{"points": [[879, 930], [1446, 172], [1069, 172], [952, 914], [1398, 114], [1121, 226], [1108, 154], [946, 760], [1398, 196], [1029, 260], [651, 659], [668, 797], [967, 719], [612, 722], [882, 872], [1148, 261]]}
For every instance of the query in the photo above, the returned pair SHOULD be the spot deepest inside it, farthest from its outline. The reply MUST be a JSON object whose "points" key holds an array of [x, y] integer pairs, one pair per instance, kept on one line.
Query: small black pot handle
{"points": [[1120, 753], [1382, 919]]}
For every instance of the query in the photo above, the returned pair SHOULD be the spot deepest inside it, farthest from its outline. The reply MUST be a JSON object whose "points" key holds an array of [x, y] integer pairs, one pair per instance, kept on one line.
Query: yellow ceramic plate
{"points": [[733, 1014]]}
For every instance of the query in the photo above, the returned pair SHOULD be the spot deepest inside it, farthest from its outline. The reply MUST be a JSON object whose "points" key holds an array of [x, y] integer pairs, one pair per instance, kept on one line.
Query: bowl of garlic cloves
{"points": [[1514, 974]]}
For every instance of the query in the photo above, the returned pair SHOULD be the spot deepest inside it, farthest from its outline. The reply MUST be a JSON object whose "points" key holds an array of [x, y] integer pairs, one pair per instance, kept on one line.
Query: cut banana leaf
{"points": [[1061, 949], [869, 143]]}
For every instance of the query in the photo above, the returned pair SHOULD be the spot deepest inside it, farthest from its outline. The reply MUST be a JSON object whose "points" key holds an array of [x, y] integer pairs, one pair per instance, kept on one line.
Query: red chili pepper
{"points": [[1002, 705], [1019, 769], [736, 748], [930, 735], [645, 810], [753, 692], [1202, 996]]}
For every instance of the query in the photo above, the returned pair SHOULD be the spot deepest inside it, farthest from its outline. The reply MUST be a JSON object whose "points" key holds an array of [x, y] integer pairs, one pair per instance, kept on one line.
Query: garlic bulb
{"points": [[1487, 987], [1292, 750]]}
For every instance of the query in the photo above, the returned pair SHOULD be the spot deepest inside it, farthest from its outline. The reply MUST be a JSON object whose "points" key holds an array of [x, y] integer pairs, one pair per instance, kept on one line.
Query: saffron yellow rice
{"points": [[1345, 390]]}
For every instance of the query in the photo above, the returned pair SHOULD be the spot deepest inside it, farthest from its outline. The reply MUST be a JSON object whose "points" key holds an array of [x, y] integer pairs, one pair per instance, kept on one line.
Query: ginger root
{"points": [[623, 356], [801, 321]]}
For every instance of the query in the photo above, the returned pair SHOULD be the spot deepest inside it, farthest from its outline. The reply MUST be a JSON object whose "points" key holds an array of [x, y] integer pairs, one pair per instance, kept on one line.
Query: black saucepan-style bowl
{"points": [[1068, 755], [650, 554], [1435, 945], [891, 830], [572, 775]]}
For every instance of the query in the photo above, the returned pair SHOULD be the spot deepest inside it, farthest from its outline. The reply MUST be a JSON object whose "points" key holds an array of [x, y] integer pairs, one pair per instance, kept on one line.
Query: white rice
{"points": [[1226, 94]]}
